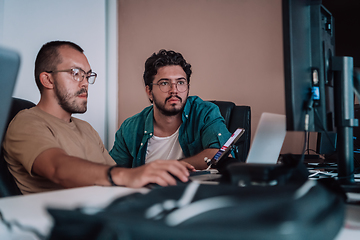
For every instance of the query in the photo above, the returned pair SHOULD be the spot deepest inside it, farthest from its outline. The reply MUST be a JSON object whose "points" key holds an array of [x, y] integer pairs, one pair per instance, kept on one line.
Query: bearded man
{"points": [[48, 149], [176, 126]]}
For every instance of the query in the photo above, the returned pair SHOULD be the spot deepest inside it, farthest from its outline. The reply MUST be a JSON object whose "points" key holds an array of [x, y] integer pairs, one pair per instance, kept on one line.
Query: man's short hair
{"points": [[161, 59], [48, 58]]}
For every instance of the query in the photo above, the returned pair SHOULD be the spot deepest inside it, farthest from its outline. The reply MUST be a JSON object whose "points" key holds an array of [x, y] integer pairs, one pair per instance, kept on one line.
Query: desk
{"points": [[31, 211], [351, 229]]}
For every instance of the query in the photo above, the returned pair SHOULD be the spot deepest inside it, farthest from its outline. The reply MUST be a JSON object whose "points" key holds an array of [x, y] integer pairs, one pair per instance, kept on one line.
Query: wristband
{"points": [[109, 175]]}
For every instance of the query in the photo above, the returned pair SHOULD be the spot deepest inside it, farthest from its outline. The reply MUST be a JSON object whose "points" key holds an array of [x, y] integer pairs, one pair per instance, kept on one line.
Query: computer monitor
{"points": [[319, 94], [308, 49]]}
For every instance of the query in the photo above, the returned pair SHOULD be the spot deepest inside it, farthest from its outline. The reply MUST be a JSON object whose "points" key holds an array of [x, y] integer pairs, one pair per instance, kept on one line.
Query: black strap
{"points": [[109, 175]]}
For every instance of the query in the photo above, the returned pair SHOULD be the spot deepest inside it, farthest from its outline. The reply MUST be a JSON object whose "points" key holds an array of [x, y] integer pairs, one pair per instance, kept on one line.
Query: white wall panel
{"points": [[26, 25]]}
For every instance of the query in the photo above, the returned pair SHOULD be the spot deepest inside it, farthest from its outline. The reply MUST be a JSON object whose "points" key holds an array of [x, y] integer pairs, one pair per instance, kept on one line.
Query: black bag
{"points": [[310, 210]]}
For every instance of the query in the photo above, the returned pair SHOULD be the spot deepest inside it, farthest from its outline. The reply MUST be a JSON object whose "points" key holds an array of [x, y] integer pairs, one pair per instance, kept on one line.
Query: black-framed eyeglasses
{"points": [[79, 74], [166, 85]]}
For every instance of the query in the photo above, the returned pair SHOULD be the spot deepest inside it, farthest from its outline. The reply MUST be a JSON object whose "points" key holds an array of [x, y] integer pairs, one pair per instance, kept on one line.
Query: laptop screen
{"points": [[268, 139]]}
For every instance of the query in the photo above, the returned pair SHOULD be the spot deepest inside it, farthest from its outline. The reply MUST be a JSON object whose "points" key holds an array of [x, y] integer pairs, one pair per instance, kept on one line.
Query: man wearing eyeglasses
{"points": [[176, 125], [48, 149]]}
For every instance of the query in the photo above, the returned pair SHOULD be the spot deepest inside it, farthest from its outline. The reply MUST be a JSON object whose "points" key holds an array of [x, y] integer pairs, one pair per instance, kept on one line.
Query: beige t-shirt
{"points": [[33, 131]]}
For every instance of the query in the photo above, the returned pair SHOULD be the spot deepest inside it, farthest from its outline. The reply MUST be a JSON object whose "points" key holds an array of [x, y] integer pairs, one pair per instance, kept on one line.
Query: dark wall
{"points": [[347, 27]]}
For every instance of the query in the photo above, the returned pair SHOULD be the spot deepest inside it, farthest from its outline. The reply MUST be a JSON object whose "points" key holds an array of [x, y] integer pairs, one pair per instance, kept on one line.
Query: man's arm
{"points": [[198, 160], [67, 171], [212, 131]]}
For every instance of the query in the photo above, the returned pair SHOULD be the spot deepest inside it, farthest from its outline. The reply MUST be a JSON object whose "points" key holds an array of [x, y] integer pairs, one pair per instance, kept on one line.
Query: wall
{"points": [[26, 25], [234, 46]]}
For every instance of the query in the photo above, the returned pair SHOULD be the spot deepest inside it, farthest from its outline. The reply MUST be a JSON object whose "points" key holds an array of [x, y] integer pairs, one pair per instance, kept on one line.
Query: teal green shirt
{"points": [[202, 127]]}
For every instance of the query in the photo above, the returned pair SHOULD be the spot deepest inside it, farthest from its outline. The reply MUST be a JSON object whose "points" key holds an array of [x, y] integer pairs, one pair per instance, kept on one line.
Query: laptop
{"points": [[9, 67], [268, 140]]}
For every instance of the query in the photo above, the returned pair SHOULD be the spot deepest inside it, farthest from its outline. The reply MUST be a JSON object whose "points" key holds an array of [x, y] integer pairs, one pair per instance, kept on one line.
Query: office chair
{"points": [[8, 186], [237, 117]]}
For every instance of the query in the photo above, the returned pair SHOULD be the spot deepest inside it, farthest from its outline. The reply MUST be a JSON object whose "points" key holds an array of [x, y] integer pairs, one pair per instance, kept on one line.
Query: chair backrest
{"points": [[8, 186], [237, 117], [9, 67]]}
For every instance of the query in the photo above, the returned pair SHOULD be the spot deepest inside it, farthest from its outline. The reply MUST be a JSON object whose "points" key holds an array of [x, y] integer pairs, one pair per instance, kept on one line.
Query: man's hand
{"points": [[190, 167], [159, 172]]}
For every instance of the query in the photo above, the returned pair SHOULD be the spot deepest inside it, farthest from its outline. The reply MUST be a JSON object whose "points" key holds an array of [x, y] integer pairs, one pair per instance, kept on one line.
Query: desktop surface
{"points": [[31, 210]]}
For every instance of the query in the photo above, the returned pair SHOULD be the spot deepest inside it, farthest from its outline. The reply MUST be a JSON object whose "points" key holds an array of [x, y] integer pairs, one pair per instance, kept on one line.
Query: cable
{"points": [[309, 106], [304, 148], [308, 143]]}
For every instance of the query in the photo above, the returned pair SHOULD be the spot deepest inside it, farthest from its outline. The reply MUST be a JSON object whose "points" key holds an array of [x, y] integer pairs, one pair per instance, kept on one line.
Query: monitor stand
{"points": [[345, 121]]}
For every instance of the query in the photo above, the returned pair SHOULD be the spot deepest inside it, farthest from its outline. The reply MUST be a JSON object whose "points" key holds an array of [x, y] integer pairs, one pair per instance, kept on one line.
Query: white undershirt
{"points": [[164, 148]]}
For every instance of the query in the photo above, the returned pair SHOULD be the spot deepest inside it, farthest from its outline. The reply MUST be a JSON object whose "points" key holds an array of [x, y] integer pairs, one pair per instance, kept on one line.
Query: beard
{"points": [[67, 101], [173, 110]]}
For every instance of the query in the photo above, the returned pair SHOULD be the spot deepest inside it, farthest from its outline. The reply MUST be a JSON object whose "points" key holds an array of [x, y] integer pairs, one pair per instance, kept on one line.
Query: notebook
{"points": [[268, 139], [9, 66]]}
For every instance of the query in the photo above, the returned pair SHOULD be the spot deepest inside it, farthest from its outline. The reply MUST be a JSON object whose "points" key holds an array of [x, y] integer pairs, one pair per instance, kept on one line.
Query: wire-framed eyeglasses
{"points": [[166, 85], [79, 74]]}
